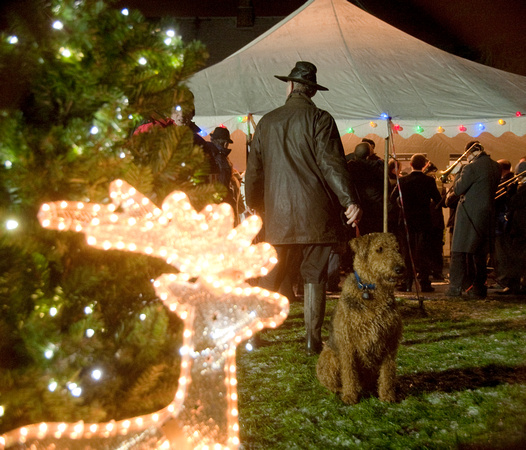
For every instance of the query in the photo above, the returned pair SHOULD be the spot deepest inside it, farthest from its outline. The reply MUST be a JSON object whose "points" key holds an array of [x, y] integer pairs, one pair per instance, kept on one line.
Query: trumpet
{"points": [[503, 187]]}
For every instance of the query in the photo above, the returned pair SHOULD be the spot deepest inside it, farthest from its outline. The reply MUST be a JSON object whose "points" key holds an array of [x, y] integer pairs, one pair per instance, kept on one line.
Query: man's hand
{"points": [[353, 214]]}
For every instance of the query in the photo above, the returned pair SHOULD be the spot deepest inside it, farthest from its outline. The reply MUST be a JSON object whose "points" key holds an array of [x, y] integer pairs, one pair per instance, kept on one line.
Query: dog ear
{"points": [[360, 245]]}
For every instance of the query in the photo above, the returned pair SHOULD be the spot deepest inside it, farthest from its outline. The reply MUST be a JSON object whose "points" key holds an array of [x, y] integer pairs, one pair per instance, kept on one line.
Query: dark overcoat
{"points": [[418, 189], [474, 227], [296, 175]]}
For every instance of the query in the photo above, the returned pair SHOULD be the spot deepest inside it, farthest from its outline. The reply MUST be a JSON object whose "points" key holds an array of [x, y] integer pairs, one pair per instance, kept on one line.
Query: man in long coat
{"points": [[297, 180], [474, 229]]}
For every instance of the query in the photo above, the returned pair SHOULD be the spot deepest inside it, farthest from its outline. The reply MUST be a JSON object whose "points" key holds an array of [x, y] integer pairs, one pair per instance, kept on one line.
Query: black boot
{"points": [[314, 313]]}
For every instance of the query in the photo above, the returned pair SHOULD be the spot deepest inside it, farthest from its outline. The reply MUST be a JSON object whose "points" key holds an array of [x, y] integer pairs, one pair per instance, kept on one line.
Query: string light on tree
{"points": [[11, 224]]}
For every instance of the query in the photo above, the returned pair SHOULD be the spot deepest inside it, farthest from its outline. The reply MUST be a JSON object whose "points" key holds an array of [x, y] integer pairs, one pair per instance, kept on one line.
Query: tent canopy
{"points": [[372, 70]]}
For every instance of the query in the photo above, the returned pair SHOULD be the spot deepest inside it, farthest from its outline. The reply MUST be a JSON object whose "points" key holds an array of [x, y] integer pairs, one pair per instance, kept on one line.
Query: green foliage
{"points": [[461, 376], [71, 97]]}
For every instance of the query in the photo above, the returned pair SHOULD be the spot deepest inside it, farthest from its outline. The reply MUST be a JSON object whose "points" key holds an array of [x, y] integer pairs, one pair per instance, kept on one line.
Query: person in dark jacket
{"points": [[436, 238], [502, 199], [297, 180], [417, 191], [218, 149], [474, 229], [515, 239], [368, 177]]}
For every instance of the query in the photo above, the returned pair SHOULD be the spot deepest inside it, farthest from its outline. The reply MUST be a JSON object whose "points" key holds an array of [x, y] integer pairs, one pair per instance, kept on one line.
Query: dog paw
{"points": [[388, 397], [349, 399]]}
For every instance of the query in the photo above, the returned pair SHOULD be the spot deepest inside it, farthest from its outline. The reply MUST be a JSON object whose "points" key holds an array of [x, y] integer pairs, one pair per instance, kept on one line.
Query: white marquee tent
{"points": [[372, 70]]}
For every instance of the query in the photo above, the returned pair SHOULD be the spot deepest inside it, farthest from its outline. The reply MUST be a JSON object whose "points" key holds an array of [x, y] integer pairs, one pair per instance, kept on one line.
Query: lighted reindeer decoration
{"points": [[219, 310]]}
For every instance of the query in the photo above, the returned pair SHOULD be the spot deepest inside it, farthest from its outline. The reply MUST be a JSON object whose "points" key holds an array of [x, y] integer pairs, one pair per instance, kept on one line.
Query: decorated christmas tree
{"points": [[82, 332]]}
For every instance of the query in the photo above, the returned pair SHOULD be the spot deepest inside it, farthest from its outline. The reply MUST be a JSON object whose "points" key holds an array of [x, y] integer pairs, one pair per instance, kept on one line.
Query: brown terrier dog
{"points": [[366, 327]]}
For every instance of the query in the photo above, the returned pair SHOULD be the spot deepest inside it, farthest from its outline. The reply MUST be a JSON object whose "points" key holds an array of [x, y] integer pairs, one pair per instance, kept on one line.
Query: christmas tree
{"points": [[82, 333]]}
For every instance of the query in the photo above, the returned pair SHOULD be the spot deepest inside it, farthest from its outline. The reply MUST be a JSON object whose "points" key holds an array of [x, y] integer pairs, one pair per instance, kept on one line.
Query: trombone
{"points": [[503, 187], [444, 176]]}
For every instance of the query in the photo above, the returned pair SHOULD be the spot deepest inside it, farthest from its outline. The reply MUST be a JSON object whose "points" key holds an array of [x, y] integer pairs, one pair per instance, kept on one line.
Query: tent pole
{"points": [[386, 182], [247, 143]]}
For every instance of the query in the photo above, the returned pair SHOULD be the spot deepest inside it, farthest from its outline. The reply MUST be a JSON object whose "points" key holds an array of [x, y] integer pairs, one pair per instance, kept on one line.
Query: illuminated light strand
{"points": [[479, 126], [229, 309]]}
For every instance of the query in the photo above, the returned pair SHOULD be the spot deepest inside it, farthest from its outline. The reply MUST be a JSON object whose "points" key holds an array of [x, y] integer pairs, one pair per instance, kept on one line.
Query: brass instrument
{"points": [[444, 176], [503, 187]]}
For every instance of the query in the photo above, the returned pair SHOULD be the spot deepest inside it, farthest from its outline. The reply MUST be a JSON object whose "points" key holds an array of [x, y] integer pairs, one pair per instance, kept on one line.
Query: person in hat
{"points": [[297, 180], [474, 229], [221, 166], [220, 138]]}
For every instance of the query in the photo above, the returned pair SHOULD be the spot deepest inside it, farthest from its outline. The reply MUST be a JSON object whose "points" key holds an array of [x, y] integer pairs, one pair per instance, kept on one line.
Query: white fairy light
{"points": [[90, 332], [94, 130], [142, 317], [1, 411], [12, 39], [57, 25], [96, 374], [168, 41], [170, 33], [53, 311], [66, 52], [88, 310], [48, 354], [125, 12], [122, 155], [11, 224], [142, 61], [8, 164], [76, 392], [52, 386]]}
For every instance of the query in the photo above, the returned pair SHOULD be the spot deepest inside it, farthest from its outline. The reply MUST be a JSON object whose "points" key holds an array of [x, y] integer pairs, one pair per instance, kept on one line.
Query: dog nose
{"points": [[399, 270]]}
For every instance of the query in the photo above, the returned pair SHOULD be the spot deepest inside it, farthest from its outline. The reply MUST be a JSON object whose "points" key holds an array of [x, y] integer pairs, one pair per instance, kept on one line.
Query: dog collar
{"points": [[364, 286]]}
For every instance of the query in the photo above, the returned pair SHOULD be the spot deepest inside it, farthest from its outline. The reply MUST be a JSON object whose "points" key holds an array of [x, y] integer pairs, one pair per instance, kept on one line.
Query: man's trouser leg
{"points": [[314, 273], [481, 274], [456, 273], [279, 278]]}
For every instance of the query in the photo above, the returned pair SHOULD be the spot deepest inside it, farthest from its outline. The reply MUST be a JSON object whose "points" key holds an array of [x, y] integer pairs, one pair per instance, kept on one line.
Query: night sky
{"points": [[492, 32]]}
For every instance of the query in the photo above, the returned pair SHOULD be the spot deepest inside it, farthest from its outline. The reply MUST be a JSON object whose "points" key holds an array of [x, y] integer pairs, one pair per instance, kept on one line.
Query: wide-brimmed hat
{"points": [[221, 133], [303, 72]]}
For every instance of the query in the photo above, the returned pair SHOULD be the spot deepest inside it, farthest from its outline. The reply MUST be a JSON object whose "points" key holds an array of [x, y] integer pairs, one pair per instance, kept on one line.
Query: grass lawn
{"points": [[461, 375]]}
